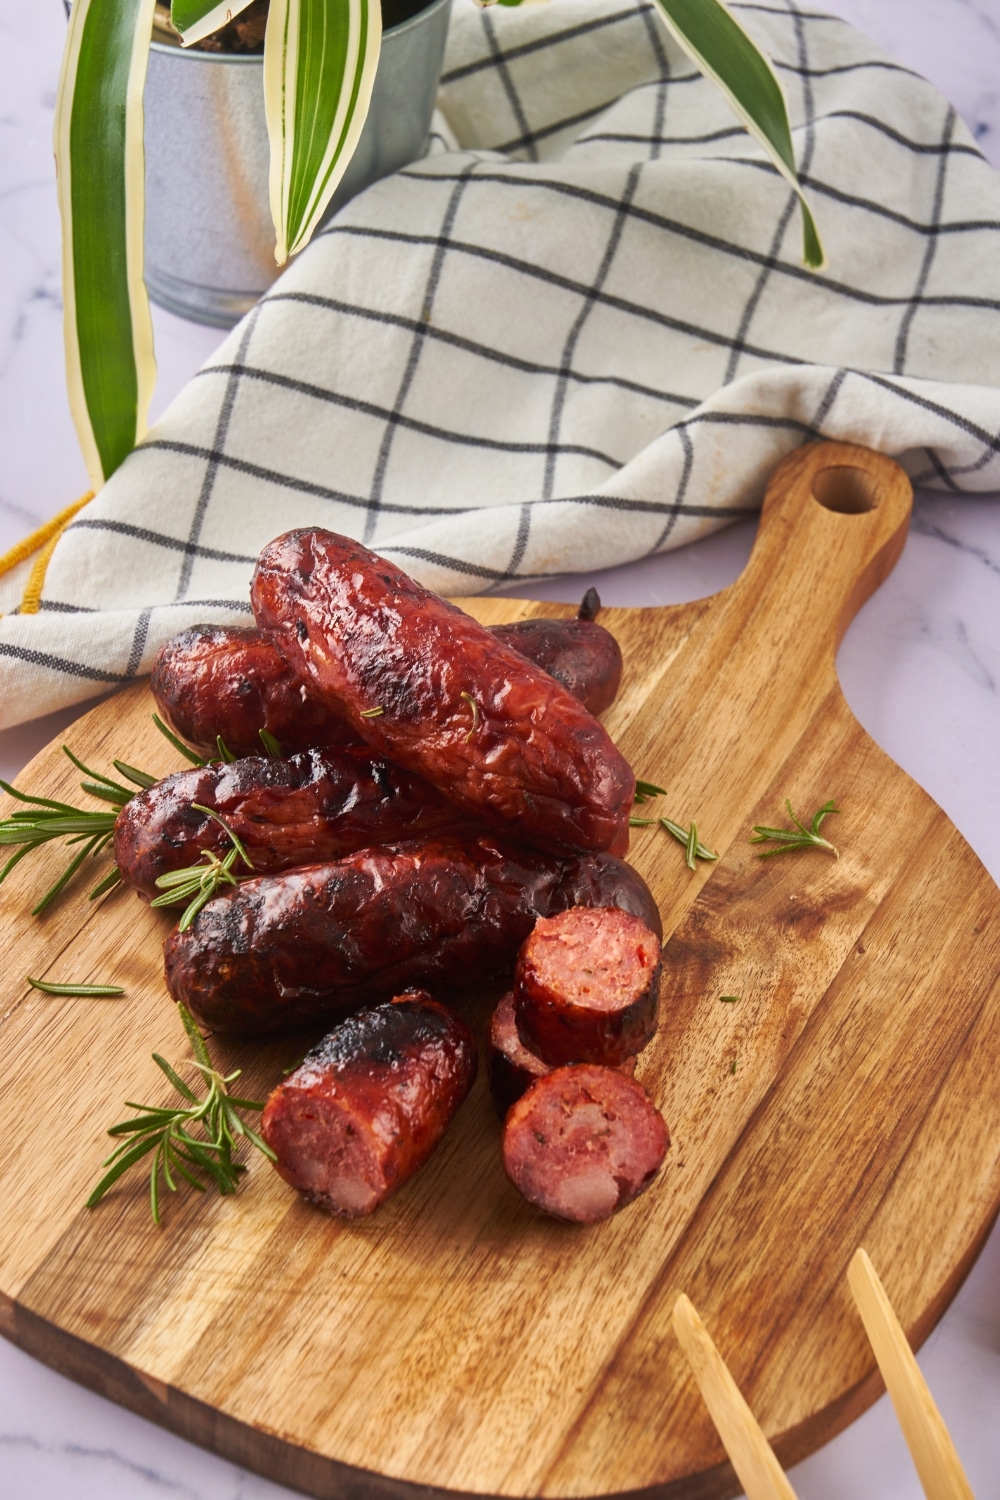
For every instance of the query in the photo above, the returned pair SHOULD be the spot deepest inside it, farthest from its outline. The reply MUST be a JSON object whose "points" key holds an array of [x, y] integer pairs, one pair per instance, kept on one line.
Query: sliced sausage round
{"points": [[586, 986], [367, 1106], [583, 1141]]}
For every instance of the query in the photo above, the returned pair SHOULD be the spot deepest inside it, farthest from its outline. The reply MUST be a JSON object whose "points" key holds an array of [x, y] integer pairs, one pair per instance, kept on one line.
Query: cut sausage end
{"points": [[325, 1154]]}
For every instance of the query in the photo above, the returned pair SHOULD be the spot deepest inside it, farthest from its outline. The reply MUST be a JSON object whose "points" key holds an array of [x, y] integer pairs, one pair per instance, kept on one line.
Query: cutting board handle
{"points": [[832, 527]]}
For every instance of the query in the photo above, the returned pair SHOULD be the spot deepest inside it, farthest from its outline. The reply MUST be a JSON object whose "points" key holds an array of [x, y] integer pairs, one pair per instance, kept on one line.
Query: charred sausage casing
{"points": [[232, 681], [422, 682], [316, 943], [318, 805], [367, 1106]]}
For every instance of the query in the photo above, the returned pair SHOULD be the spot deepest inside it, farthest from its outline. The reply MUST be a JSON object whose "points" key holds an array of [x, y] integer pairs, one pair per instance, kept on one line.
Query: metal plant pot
{"points": [[209, 240]]}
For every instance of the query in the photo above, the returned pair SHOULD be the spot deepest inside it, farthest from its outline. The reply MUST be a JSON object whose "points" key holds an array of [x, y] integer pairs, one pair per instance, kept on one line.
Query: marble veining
{"points": [[920, 667], [928, 521]]}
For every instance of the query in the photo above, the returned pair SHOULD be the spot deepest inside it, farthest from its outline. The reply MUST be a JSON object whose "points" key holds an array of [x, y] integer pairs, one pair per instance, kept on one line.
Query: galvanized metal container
{"points": [[209, 240]]}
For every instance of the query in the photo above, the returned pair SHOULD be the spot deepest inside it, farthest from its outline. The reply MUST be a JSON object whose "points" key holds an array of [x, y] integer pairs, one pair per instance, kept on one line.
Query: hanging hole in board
{"points": [[847, 490]]}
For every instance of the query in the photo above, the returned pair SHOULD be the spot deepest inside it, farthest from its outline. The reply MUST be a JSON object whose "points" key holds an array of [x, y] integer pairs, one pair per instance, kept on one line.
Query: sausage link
{"points": [[233, 681], [421, 681], [579, 653], [319, 805], [587, 986], [583, 1142], [510, 1065], [316, 943], [368, 1105]]}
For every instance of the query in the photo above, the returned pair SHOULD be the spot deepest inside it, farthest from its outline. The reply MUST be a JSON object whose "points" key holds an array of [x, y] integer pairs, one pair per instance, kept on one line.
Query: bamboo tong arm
{"points": [[751, 1455], [937, 1463], [927, 1437]]}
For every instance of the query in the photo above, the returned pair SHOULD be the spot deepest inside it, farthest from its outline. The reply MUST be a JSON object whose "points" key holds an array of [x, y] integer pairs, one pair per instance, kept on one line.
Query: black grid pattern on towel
{"points": [[451, 411]]}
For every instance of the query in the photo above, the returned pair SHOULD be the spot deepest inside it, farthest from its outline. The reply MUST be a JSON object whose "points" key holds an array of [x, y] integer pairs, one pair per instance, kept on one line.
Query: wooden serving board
{"points": [[458, 1340]]}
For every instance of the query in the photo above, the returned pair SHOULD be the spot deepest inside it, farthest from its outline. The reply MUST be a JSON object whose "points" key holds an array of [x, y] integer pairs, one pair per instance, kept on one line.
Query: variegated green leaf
{"points": [[197, 19], [99, 161], [726, 54], [320, 58]]}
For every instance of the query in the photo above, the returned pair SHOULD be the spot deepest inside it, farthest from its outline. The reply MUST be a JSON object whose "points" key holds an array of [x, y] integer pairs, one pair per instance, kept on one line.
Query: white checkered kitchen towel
{"points": [[578, 333]]}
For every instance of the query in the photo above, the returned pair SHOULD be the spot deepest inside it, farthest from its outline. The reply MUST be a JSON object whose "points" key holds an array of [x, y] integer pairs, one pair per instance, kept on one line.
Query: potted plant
{"points": [[209, 238], [319, 68]]}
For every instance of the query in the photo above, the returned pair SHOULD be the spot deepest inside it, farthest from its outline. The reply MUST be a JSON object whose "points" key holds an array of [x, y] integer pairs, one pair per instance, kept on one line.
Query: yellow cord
{"points": [[43, 541]]}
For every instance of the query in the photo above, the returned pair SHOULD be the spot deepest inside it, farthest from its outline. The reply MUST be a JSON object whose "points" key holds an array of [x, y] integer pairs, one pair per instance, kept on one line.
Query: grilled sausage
{"points": [[586, 987], [511, 1066], [367, 1106], [583, 1141], [231, 681], [421, 681], [319, 805], [316, 943], [579, 653]]}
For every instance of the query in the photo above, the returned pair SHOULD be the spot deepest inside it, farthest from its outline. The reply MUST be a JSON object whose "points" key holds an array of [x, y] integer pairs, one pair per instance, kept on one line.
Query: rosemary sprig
{"points": [[693, 847], [197, 884], [43, 819], [799, 837], [86, 991], [645, 789], [166, 1133]]}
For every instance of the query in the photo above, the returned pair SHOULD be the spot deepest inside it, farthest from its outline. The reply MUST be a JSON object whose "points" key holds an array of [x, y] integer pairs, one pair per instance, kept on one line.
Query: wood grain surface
{"points": [[458, 1340]]}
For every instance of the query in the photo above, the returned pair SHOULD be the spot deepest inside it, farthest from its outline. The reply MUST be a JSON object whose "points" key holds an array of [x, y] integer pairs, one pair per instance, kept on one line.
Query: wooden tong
{"points": [[751, 1455]]}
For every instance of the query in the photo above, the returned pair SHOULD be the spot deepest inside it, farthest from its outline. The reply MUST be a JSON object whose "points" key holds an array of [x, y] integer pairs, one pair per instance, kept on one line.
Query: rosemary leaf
{"points": [[118, 796], [83, 990], [64, 879], [185, 750], [691, 848], [272, 747], [123, 793], [108, 884], [475, 714], [683, 836], [141, 778]]}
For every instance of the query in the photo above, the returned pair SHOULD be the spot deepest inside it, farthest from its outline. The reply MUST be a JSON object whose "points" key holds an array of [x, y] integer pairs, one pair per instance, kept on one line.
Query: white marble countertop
{"points": [[920, 668]]}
